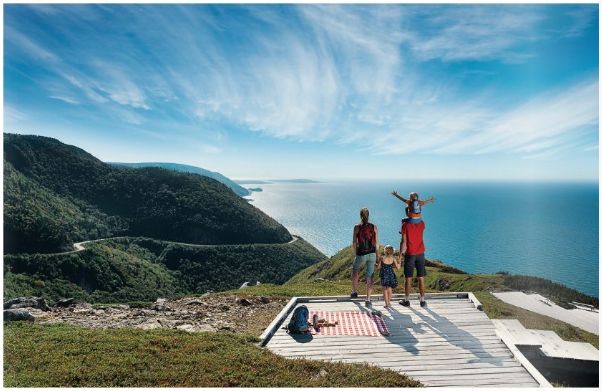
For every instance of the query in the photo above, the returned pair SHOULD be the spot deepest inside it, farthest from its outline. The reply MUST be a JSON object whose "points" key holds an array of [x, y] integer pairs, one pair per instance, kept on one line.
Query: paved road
{"points": [[77, 247]]}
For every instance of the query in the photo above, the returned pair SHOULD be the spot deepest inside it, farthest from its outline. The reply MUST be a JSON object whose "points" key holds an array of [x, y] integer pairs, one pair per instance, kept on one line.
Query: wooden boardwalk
{"points": [[448, 343]]}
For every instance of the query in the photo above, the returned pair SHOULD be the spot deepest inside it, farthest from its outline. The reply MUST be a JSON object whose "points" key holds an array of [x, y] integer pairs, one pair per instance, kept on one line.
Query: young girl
{"points": [[388, 281]]}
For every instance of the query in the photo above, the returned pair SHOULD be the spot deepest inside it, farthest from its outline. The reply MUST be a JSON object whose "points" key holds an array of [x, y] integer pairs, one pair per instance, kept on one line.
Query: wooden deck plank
{"points": [[434, 365], [425, 355], [400, 340], [377, 342], [416, 350]]}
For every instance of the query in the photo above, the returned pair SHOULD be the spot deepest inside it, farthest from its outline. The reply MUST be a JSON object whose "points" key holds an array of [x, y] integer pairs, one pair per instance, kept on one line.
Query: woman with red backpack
{"points": [[365, 246]]}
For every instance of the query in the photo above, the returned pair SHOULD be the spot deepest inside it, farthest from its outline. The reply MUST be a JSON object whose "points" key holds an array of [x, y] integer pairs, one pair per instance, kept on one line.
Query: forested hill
{"points": [[56, 194], [238, 189]]}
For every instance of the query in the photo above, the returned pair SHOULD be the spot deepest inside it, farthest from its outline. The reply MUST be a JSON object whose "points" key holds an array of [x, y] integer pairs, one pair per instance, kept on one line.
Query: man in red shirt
{"points": [[413, 244]]}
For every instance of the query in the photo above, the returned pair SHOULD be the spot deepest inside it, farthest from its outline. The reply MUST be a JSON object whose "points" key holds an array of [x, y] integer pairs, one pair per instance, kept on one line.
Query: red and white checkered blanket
{"points": [[356, 323]]}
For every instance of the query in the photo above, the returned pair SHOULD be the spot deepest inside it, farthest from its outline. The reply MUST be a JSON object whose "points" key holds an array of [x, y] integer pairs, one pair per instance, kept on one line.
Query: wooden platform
{"points": [[448, 343]]}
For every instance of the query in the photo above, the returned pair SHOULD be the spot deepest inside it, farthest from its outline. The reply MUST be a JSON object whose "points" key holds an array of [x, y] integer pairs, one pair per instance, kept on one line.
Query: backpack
{"points": [[299, 322], [366, 239], [415, 207]]}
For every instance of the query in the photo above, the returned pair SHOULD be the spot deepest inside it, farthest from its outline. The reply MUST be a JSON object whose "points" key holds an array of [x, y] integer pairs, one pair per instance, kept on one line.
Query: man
{"points": [[365, 247], [412, 244]]}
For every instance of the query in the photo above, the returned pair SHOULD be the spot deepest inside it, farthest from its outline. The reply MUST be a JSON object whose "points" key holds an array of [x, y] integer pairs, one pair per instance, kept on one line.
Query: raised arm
{"points": [[399, 197], [428, 201]]}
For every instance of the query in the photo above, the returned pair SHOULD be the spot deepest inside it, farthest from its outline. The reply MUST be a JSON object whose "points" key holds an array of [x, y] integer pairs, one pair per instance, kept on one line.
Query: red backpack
{"points": [[366, 239]]}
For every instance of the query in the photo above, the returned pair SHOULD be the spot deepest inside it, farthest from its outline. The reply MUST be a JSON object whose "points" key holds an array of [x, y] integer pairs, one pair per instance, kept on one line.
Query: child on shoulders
{"points": [[414, 207]]}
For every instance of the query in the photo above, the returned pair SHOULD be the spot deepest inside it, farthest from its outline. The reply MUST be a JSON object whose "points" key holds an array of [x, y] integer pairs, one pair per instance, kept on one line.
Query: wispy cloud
{"points": [[380, 78]]}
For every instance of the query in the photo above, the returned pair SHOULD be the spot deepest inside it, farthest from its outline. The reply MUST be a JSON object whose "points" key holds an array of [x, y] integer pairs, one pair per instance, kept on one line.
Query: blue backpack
{"points": [[299, 322], [415, 207]]}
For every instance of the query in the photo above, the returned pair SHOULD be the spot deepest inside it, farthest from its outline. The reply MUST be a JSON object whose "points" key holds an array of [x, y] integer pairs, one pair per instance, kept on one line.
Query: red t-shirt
{"points": [[413, 234]]}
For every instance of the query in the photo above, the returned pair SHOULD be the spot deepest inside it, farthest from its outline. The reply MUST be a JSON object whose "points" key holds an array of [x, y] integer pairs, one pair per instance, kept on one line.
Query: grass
{"points": [[71, 356]]}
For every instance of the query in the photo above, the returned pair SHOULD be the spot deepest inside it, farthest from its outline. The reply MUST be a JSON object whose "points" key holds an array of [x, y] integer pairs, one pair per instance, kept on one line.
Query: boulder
{"points": [[160, 305], [14, 314], [25, 302], [442, 284], [149, 325], [264, 300], [65, 302], [244, 302]]}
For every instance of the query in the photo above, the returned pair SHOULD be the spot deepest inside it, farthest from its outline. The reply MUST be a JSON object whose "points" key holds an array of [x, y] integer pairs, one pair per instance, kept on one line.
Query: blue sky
{"points": [[316, 91]]}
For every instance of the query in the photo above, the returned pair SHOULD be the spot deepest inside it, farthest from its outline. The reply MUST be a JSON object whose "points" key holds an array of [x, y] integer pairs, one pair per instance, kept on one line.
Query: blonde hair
{"points": [[364, 214], [388, 249], [414, 195]]}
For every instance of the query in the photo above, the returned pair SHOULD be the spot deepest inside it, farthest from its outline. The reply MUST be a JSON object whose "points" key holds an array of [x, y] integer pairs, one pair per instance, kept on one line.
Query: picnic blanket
{"points": [[357, 323]]}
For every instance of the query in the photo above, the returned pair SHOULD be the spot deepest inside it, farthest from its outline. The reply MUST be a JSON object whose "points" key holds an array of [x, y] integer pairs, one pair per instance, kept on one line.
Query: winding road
{"points": [[79, 246]]}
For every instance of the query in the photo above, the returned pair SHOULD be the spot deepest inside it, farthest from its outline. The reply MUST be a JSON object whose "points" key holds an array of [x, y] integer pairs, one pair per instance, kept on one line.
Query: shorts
{"points": [[368, 259], [414, 261]]}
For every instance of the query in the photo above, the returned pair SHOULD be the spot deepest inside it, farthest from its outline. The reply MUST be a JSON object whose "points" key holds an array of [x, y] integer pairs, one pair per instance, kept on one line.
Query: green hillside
{"points": [[36, 219], [241, 191], [97, 199], [141, 269]]}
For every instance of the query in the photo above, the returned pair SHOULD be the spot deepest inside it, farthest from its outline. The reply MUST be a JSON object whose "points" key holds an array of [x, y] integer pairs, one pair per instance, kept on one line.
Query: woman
{"points": [[365, 246]]}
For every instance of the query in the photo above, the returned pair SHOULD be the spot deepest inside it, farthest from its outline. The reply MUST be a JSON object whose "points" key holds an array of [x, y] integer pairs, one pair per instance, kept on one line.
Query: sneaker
{"points": [[404, 302], [368, 303], [354, 295], [423, 303]]}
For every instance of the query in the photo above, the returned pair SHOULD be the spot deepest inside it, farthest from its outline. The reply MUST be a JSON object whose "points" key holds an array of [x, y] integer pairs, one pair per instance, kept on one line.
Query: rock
{"points": [[205, 327], [15, 314], [149, 325], [224, 307], [258, 283], [122, 307], [320, 374], [264, 300], [243, 302], [195, 302], [65, 302], [160, 305], [320, 279], [187, 327], [442, 284], [25, 302]]}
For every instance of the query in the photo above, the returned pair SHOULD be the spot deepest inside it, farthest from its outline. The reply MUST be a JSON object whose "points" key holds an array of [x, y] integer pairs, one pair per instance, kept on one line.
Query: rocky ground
{"points": [[217, 313]]}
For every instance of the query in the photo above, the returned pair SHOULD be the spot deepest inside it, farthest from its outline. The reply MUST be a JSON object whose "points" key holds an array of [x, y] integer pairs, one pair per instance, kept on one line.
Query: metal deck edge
{"points": [[508, 341], [271, 329]]}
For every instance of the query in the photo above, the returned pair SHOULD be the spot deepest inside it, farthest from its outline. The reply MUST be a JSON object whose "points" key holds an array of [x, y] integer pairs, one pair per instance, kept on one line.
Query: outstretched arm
{"points": [[428, 201], [399, 197]]}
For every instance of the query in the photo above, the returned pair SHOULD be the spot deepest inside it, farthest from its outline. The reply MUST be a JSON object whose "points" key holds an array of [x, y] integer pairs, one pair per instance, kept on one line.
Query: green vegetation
{"points": [[67, 195], [241, 191], [141, 269], [37, 220], [69, 356]]}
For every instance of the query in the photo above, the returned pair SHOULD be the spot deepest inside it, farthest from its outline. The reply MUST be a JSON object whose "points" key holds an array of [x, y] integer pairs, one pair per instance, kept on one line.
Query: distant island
{"points": [[269, 181], [255, 189], [241, 191]]}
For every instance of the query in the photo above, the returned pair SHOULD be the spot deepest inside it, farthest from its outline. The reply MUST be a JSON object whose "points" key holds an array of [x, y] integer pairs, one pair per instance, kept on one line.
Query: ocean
{"points": [[547, 230]]}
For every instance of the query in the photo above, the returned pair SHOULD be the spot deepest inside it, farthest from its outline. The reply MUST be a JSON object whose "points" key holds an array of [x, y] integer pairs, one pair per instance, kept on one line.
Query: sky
{"points": [[467, 92]]}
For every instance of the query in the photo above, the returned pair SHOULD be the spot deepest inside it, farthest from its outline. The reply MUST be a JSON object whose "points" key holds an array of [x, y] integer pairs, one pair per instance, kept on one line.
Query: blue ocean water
{"points": [[548, 230]]}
